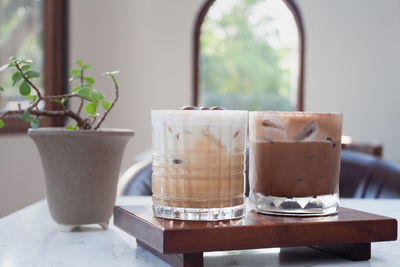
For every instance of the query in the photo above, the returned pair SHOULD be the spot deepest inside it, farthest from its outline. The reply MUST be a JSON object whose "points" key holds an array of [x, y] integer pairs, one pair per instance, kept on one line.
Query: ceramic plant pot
{"points": [[81, 170]]}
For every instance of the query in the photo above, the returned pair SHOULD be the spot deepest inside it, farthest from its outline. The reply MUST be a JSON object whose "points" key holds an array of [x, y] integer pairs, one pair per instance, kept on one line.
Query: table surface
{"points": [[29, 237]]}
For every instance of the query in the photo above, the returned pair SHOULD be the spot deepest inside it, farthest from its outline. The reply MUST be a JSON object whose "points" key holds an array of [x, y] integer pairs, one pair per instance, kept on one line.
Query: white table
{"points": [[29, 237]]}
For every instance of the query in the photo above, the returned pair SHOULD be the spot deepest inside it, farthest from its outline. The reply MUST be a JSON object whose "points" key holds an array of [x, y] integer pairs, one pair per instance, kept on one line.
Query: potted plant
{"points": [[81, 162]]}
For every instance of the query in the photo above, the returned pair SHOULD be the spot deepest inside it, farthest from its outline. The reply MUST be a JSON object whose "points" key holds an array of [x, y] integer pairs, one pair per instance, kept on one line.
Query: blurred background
{"points": [[311, 55]]}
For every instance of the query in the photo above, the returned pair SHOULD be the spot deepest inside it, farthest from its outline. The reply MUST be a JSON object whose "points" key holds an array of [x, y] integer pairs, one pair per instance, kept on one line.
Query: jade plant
{"points": [[89, 98]]}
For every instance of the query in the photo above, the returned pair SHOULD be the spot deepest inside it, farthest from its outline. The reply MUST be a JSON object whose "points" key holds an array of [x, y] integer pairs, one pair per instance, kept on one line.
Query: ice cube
{"points": [[308, 130]]}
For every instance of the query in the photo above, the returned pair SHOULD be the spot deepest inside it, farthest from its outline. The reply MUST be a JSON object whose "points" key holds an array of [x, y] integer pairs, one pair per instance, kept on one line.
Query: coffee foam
{"points": [[199, 117]]}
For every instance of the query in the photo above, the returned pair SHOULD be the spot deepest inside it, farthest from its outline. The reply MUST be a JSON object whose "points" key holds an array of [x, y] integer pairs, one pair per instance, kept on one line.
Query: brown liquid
{"points": [[294, 169]]}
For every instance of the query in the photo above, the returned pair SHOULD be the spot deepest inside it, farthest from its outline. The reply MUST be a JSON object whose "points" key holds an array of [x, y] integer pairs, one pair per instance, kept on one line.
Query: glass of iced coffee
{"points": [[295, 162], [198, 164]]}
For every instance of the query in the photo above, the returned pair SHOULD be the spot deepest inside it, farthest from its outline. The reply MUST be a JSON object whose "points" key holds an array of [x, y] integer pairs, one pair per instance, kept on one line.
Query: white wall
{"points": [[352, 49], [21, 174], [150, 43], [352, 66]]}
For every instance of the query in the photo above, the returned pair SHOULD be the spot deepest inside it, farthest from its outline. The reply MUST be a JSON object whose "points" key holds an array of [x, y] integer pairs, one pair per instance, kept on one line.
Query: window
{"points": [[34, 29], [249, 55]]}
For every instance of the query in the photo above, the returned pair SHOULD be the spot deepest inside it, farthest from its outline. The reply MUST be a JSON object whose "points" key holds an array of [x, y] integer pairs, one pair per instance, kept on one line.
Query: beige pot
{"points": [[81, 170]]}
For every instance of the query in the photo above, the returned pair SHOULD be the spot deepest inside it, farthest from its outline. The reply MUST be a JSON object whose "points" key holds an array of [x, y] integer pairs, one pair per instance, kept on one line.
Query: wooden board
{"points": [[347, 234]]}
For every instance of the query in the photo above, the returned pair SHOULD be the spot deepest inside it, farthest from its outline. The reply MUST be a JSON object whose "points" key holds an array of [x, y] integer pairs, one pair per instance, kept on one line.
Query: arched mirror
{"points": [[249, 55]]}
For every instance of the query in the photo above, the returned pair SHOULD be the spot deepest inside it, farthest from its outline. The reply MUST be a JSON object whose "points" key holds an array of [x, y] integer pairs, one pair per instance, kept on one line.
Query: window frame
{"points": [[196, 50], [55, 71]]}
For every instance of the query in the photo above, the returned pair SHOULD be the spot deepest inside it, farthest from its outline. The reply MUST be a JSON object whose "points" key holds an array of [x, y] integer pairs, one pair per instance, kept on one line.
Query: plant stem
{"points": [[82, 100], [52, 113], [82, 123], [39, 95], [112, 104], [34, 109], [28, 81], [61, 96]]}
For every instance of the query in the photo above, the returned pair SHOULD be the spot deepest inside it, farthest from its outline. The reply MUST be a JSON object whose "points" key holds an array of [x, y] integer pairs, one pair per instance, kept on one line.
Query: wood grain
{"points": [[347, 234], [253, 231]]}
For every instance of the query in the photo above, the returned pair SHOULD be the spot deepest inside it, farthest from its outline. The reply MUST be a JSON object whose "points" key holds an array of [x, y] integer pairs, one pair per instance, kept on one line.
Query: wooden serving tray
{"points": [[181, 243]]}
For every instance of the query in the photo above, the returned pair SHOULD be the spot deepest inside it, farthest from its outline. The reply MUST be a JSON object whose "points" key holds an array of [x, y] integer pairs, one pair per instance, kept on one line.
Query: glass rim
{"points": [[294, 113], [195, 110]]}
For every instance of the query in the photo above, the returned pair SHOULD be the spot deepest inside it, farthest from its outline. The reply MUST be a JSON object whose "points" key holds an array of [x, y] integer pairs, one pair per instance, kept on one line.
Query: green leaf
{"points": [[106, 105], [96, 96], [86, 67], [35, 123], [89, 80], [32, 74], [70, 127], [26, 116], [79, 63], [91, 108], [25, 67], [85, 93], [1, 88], [25, 61], [76, 73], [16, 77], [76, 88], [94, 115], [32, 98], [63, 100], [24, 89], [111, 73], [1, 123], [12, 59], [4, 67], [58, 101]]}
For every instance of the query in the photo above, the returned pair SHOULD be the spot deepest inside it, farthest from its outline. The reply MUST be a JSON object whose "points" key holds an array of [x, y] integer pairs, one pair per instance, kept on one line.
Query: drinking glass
{"points": [[198, 163], [295, 162]]}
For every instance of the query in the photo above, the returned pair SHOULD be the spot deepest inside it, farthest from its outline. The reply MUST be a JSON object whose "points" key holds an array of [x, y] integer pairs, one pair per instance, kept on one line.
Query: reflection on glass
{"points": [[21, 31], [249, 56]]}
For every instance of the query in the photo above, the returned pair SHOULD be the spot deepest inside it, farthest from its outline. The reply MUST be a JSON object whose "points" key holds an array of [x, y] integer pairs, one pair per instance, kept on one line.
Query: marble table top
{"points": [[29, 237]]}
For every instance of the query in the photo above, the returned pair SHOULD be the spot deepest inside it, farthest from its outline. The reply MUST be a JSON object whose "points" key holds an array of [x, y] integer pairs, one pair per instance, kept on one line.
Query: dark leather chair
{"points": [[361, 176], [138, 183], [366, 176]]}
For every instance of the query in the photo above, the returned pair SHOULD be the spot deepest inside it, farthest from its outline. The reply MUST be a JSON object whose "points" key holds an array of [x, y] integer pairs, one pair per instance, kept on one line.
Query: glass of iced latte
{"points": [[198, 164], [295, 162]]}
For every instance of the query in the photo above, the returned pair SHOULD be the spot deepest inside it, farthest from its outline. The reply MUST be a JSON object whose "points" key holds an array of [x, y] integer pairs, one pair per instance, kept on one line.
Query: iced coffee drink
{"points": [[295, 162], [198, 163]]}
